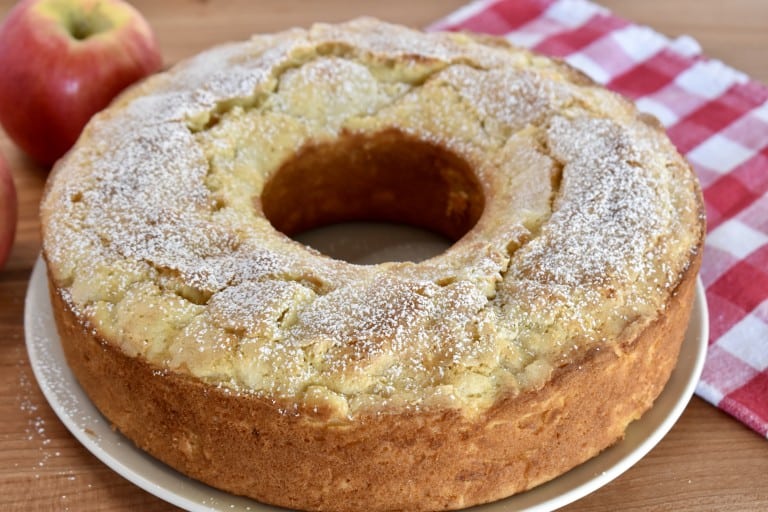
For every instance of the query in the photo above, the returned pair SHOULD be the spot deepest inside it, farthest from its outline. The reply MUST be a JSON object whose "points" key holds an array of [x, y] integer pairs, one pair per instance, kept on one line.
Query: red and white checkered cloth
{"points": [[718, 118]]}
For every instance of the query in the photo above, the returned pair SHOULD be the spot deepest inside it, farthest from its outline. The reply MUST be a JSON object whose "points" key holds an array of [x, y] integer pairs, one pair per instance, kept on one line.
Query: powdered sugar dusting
{"points": [[599, 251], [588, 225]]}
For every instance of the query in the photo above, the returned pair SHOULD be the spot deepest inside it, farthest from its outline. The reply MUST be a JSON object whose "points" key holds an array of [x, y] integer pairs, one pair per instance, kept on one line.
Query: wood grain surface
{"points": [[707, 462]]}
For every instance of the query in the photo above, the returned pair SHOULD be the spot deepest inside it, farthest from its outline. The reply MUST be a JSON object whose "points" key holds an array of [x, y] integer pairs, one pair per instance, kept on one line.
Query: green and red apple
{"points": [[61, 61]]}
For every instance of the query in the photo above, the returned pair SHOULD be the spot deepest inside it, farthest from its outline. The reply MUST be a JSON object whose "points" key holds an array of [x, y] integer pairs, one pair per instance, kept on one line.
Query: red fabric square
{"points": [[728, 195], [754, 172], [759, 259], [502, 17], [744, 285], [750, 403], [565, 43], [752, 92], [651, 75], [723, 314], [517, 14], [716, 262]]}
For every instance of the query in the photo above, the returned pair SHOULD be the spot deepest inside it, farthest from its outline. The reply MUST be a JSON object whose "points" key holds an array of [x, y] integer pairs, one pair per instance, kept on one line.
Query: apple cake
{"points": [[246, 360]]}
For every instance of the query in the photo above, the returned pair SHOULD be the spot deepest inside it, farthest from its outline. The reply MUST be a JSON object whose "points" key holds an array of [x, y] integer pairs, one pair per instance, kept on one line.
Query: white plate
{"points": [[86, 423]]}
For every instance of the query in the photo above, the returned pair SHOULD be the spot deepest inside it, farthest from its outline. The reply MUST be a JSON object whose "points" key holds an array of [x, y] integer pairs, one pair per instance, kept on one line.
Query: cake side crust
{"points": [[413, 460]]}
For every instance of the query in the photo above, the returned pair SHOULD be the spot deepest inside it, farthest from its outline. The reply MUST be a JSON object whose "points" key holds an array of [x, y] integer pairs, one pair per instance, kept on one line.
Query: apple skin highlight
{"points": [[63, 61]]}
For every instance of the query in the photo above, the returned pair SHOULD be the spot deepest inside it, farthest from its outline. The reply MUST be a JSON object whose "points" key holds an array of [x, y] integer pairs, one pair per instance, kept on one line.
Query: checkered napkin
{"points": [[718, 118]]}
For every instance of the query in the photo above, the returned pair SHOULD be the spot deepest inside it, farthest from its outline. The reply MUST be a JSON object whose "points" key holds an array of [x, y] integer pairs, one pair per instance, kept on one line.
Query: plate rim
{"points": [[45, 364]]}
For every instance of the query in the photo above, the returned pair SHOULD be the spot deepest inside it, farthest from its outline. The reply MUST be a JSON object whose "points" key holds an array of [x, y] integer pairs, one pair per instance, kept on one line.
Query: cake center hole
{"points": [[369, 243], [373, 198]]}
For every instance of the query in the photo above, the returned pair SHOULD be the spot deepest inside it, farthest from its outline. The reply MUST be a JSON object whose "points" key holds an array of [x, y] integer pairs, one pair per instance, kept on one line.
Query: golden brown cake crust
{"points": [[432, 460], [257, 365]]}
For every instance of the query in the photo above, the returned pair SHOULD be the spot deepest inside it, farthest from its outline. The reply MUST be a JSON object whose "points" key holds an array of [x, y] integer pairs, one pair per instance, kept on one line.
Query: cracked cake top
{"points": [[576, 218]]}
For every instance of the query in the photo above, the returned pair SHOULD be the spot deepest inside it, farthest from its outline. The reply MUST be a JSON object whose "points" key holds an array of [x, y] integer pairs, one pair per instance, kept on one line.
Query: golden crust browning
{"points": [[430, 460]]}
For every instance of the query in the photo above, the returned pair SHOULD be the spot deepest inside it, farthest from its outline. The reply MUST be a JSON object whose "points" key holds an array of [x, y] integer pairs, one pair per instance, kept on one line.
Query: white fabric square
{"points": [[462, 14], [589, 66], [709, 392], [761, 311], [715, 263], [686, 46], [736, 238], [662, 113], [748, 340], [639, 42], [723, 373], [756, 216], [535, 31], [573, 13], [709, 79], [761, 112], [720, 154], [706, 176], [524, 38]]}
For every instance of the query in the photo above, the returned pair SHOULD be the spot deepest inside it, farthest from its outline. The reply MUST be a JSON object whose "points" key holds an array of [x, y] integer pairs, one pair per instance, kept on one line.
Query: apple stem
{"points": [[83, 25]]}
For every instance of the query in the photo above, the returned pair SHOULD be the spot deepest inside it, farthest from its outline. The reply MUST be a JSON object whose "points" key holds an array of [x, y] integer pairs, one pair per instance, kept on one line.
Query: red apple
{"points": [[61, 61], [7, 211]]}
